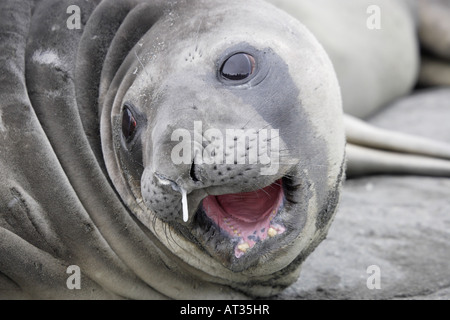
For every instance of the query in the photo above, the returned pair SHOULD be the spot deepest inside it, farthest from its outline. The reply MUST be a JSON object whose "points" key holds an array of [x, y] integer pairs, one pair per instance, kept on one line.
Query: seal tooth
{"points": [[272, 232], [244, 247]]}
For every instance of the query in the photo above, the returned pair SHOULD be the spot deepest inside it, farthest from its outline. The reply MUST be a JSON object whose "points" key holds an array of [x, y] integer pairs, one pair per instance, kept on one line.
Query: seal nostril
{"points": [[193, 173]]}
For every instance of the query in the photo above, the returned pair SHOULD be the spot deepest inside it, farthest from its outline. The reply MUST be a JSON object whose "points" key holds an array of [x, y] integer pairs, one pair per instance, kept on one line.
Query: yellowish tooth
{"points": [[244, 247], [272, 232]]}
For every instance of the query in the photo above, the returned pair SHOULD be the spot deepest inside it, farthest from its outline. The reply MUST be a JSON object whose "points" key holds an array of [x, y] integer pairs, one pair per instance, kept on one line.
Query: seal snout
{"points": [[168, 197], [177, 197]]}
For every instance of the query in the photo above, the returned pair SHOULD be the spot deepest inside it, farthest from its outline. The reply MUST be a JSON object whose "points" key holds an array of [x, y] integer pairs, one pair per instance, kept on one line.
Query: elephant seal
{"points": [[179, 149], [118, 117], [199, 82]]}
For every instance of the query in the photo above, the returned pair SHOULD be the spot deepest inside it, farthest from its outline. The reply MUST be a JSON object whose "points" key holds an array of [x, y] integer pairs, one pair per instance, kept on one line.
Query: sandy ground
{"points": [[399, 223]]}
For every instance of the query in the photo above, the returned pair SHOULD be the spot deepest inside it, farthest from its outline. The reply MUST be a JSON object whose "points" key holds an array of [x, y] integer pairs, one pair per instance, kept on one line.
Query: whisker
{"points": [[140, 62], [275, 184], [268, 125], [154, 219], [165, 234], [251, 118], [173, 239], [260, 188], [139, 163]]}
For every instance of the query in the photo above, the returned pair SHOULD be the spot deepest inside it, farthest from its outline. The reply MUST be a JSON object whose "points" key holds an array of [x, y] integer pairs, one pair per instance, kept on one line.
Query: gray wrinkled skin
{"points": [[91, 198], [76, 191]]}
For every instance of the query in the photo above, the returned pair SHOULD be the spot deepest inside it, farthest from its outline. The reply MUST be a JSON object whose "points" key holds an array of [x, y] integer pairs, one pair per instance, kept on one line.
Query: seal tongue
{"points": [[250, 207], [247, 215]]}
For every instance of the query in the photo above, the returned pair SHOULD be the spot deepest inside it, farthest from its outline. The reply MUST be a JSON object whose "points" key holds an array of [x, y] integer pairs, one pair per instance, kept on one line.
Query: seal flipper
{"points": [[364, 161], [434, 35], [372, 150]]}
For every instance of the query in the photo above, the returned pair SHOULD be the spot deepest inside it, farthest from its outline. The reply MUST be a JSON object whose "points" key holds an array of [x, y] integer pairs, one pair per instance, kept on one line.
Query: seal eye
{"points": [[238, 67], [129, 124]]}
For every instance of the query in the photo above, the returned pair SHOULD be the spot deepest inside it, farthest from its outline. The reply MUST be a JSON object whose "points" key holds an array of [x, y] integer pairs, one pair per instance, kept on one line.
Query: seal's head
{"points": [[224, 137]]}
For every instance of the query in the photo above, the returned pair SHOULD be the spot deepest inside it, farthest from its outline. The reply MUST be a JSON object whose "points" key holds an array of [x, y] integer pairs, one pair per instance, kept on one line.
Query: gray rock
{"points": [[399, 223]]}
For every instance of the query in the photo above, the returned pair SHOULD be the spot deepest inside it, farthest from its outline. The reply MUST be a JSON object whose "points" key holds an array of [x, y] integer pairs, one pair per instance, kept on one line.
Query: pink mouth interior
{"points": [[247, 216]]}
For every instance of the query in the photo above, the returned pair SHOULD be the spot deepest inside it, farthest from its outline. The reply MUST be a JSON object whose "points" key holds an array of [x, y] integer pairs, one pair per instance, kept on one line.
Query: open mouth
{"points": [[241, 228], [247, 218]]}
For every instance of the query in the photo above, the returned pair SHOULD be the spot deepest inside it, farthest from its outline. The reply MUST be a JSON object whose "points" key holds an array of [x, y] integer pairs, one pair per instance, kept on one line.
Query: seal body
{"points": [[373, 45], [179, 85], [180, 148], [146, 121]]}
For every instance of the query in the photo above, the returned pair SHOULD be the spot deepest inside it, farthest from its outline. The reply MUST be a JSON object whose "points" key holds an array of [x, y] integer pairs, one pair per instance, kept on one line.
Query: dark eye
{"points": [[129, 124], [239, 66]]}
